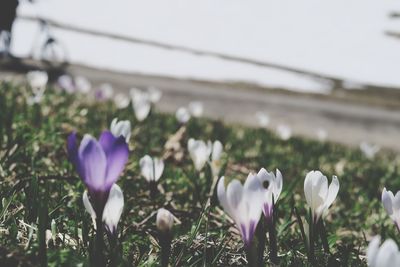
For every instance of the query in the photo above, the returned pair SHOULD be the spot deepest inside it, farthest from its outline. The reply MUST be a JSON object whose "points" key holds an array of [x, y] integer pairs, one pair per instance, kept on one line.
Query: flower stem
{"points": [[260, 235], [323, 235], [165, 243], [98, 259], [273, 245], [311, 252], [153, 190], [251, 254]]}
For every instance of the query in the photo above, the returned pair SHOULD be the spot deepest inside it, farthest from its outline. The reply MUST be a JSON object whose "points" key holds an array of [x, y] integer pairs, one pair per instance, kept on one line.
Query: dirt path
{"points": [[346, 121]]}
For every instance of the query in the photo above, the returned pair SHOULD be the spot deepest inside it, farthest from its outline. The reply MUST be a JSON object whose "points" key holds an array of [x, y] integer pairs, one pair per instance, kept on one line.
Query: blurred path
{"points": [[344, 120], [347, 117]]}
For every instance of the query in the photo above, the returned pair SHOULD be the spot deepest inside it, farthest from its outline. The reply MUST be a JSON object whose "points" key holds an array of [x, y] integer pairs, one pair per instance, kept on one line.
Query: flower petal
{"points": [[113, 208], [332, 191], [387, 201], [93, 163], [117, 157]]}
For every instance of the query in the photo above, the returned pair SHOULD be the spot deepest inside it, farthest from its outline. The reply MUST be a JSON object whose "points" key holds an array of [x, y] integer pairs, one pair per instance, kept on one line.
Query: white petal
{"points": [[82, 84], [221, 193], [113, 208], [182, 115], [147, 168], [387, 254], [278, 185], [88, 205], [263, 119], [154, 94], [216, 150], [253, 195], [332, 191], [387, 201], [158, 168], [372, 251], [196, 108], [121, 100]]}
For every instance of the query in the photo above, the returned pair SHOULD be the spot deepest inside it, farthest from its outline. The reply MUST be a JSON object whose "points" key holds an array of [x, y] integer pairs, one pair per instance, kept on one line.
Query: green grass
{"points": [[39, 185]]}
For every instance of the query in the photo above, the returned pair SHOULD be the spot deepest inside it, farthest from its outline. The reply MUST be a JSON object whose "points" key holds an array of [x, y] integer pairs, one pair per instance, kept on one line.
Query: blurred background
{"points": [[327, 70]]}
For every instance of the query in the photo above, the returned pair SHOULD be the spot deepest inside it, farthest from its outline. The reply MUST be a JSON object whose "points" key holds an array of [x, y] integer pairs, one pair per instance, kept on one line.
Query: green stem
{"points": [[260, 235], [251, 254], [165, 242], [98, 259], [273, 253], [311, 254], [323, 235]]}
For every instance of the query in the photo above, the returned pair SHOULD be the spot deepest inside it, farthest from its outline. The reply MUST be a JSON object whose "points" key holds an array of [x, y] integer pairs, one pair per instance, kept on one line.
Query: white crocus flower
{"points": [[151, 168], [199, 152], [182, 115], [318, 196], [196, 108], [82, 84], [216, 154], [112, 210], [284, 131], [272, 192], [369, 150], [37, 81], [154, 94], [121, 100], [119, 128], [164, 220], [386, 255], [391, 203], [141, 103], [262, 118], [243, 203]]}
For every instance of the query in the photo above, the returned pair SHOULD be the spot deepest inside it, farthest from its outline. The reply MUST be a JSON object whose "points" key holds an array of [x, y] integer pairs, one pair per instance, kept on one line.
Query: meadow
{"points": [[43, 220]]}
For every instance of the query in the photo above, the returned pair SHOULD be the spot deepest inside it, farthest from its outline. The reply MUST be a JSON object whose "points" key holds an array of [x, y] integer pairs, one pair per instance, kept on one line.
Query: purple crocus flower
{"points": [[99, 164]]}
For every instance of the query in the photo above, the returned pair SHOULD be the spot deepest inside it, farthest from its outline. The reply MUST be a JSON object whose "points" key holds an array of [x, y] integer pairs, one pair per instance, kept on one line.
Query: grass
{"points": [[38, 185]]}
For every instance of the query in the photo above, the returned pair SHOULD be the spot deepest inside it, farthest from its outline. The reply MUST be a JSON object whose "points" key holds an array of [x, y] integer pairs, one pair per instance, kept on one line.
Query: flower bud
{"points": [[165, 220]]}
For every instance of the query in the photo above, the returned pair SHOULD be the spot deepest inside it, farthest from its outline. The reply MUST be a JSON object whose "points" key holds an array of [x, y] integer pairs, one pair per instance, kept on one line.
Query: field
{"points": [[41, 190]]}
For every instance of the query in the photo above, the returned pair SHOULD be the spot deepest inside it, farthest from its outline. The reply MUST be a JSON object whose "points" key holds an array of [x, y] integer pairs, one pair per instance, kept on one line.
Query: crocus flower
{"points": [[99, 164], [216, 154], [151, 168], [112, 210], [141, 103], [196, 108], [66, 83], [262, 118], [82, 84], [199, 152], [37, 81], [121, 100], [154, 94], [284, 131], [369, 150], [164, 220], [391, 203], [182, 115], [104, 92], [243, 203], [386, 255], [318, 196], [272, 192], [121, 128]]}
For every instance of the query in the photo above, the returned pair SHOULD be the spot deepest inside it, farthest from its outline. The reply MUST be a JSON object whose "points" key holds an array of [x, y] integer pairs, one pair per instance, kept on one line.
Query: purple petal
{"points": [[117, 157], [72, 148], [107, 140], [93, 163]]}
